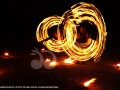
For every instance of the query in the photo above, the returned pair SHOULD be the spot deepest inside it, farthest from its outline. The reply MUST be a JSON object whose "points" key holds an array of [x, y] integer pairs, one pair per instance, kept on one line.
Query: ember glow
{"points": [[53, 44], [6, 54], [86, 84], [70, 20], [69, 61], [1, 72]]}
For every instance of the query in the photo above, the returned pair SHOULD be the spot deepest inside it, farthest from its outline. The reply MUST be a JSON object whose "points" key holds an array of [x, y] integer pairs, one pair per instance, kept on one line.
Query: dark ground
{"points": [[17, 71]]}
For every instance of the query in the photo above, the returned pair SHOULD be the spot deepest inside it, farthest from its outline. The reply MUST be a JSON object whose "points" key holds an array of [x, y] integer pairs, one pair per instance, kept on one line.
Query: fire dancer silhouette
{"points": [[82, 35]]}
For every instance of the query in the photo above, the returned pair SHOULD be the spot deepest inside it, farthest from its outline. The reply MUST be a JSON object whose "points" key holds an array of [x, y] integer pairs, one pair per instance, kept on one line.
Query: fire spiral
{"points": [[80, 32]]}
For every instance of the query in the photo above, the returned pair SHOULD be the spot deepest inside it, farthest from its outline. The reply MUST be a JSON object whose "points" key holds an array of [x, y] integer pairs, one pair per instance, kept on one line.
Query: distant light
{"points": [[86, 84], [6, 54]]}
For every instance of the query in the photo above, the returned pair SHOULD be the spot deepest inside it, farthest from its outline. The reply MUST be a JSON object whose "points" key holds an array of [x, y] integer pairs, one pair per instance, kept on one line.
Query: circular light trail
{"points": [[52, 44], [79, 13]]}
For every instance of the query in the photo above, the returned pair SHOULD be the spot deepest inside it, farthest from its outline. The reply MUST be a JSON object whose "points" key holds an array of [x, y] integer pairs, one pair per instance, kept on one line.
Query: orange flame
{"points": [[52, 63], [68, 61], [86, 84]]}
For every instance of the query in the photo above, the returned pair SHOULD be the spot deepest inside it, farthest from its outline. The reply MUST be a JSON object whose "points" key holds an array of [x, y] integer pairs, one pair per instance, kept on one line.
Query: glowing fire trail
{"points": [[53, 44], [78, 13]]}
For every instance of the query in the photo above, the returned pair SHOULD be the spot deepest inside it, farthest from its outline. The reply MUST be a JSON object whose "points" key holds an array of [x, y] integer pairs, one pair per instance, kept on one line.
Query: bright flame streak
{"points": [[86, 84], [53, 63], [6, 54], [69, 61]]}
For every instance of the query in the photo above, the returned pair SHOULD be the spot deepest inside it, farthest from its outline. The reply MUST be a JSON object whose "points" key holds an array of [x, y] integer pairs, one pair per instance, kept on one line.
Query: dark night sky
{"points": [[19, 18]]}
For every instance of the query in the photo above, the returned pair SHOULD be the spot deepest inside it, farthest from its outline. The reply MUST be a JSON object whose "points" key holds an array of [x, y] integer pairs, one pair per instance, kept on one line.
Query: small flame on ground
{"points": [[53, 63], [86, 84], [48, 60], [6, 54], [69, 60]]}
